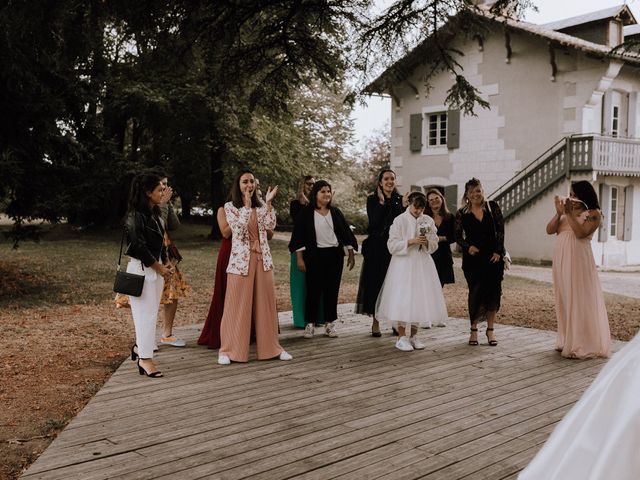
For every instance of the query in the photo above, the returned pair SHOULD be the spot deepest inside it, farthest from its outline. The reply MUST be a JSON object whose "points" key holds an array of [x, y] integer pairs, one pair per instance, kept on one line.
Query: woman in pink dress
{"points": [[583, 325]]}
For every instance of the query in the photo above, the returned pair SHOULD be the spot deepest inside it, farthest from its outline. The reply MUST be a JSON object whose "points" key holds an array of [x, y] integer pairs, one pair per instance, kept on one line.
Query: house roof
{"points": [[620, 12], [403, 68], [631, 30]]}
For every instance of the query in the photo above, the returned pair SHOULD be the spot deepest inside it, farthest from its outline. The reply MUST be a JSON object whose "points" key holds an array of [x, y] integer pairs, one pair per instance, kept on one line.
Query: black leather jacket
{"points": [[145, 236]]}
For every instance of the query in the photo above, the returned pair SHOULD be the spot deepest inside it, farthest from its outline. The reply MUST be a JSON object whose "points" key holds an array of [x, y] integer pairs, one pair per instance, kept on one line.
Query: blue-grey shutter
{"points": [[628, 213], [606, 113], [451, 197], [605, 203], [453, 129], [415, 132]]}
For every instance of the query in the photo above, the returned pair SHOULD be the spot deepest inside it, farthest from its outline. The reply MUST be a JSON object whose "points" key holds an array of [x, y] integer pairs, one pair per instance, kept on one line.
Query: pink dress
{"points": [[583, 324]]}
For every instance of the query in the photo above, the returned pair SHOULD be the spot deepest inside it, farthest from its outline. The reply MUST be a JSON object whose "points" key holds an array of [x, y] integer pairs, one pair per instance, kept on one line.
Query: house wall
{"points": [[499, 141], [616, 251], [529, 113]]}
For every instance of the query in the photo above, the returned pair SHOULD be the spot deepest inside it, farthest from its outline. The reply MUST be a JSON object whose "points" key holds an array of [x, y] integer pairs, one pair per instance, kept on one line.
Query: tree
{"points": [[408, 23]]}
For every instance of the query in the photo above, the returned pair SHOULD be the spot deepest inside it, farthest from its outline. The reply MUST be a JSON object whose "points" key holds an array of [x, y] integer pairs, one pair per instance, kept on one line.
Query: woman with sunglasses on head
{"points": [[383, 206], [445, 222], [297, 280], [479, 230], [583, 324]]}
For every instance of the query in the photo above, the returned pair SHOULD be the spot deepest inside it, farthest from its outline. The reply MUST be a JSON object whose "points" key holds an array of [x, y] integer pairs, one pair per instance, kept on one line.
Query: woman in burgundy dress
{"points": [[210, 335]]}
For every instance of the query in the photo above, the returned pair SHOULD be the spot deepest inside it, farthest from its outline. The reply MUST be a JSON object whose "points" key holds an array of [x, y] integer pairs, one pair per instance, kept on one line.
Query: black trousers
{"points": [[324, 271]]}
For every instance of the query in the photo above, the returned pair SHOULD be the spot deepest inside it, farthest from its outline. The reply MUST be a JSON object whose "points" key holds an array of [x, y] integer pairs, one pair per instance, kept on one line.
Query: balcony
{"points": [[577, 153]]}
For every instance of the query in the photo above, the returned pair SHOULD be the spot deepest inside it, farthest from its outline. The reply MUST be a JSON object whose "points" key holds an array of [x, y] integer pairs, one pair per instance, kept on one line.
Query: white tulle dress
{"points": [[411, 292], [599, 439]]}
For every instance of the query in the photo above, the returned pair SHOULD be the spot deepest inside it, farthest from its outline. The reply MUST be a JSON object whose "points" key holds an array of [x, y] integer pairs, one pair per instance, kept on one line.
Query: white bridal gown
{"points": [[411, 292], [599, 438]]}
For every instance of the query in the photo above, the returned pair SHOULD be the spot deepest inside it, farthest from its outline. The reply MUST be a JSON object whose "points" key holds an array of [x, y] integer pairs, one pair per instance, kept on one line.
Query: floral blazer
{"points": [[238, 219]]}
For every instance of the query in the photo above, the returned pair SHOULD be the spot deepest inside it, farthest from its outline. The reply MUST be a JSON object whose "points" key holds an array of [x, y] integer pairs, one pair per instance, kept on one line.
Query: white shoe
{"points": [[427, 326], [223, 360], [308, 331], [441, 324], [416, 343], [285, 356], [173, 341], [404, 344], [330, 330]]}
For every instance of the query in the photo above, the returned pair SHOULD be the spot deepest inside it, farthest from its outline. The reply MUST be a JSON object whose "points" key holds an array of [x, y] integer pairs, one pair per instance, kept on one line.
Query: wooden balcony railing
{"points": [[578, 153]]}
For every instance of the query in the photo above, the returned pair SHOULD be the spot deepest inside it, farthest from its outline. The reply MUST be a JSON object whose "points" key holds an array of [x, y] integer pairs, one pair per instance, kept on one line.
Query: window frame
{"points": [[441, 133], [614, 203]]}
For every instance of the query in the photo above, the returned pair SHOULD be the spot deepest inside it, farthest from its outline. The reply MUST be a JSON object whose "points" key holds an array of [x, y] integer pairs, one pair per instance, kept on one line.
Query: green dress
{"points": [[297, 281]]}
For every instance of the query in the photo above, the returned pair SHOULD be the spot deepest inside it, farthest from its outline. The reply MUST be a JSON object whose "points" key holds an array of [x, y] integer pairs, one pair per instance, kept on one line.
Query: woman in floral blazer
{"points": [[250, 288]]}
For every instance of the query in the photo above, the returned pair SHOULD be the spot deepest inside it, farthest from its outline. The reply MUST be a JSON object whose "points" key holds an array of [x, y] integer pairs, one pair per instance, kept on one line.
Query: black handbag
{"points": [[127, 283]]}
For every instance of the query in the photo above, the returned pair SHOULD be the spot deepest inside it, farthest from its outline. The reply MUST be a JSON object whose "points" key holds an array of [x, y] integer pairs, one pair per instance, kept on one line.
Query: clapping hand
{"points": [[246, 198], [166, 195], [271, 193], [405, 200], [557, 200]]}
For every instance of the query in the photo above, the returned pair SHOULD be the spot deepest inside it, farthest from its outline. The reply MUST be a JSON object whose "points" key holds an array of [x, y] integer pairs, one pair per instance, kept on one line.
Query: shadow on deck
{"points": [[351, 407]]}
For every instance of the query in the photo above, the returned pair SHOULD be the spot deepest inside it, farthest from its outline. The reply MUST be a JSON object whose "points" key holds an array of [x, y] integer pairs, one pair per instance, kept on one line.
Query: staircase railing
{"points": [[533, 180], [576, 153]]}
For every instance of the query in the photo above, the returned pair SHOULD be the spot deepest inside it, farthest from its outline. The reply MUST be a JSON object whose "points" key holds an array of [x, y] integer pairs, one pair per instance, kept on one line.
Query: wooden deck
{"points": [[352, 407]]}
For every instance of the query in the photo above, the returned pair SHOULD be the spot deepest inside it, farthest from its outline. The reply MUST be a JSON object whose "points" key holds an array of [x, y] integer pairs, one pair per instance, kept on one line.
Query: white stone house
{"points": [[563, 107]]}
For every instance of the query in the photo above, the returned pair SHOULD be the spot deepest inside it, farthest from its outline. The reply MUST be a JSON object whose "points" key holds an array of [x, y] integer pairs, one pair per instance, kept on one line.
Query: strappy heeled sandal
{"points": [[492, 343], [473, 342]]}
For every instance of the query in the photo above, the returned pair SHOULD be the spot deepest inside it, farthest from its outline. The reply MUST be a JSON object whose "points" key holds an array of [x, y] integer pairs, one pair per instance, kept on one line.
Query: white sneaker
{"points": [[173, 341], [404, 344], [330, 330], [285, 356], [416, 343], [308, 331], [223, 360]]}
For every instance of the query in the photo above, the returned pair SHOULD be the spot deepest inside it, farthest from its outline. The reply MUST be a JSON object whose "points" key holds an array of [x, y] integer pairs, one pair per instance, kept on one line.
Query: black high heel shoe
{"points": [[376, 333], [142, 371], [473, 342], [134, 355], [493, 343]]}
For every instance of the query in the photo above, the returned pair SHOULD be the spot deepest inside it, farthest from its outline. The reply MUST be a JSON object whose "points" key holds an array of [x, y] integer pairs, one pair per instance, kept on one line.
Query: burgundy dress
{"points": [[210, 335]]}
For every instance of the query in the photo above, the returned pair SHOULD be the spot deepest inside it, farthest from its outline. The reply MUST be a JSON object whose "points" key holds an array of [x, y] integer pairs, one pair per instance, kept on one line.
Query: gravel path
{"points": [[625, 283]]}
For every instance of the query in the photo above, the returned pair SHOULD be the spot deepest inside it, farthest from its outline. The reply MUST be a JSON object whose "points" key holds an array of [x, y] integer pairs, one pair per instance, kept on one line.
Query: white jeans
{"points": [[144, 308]]}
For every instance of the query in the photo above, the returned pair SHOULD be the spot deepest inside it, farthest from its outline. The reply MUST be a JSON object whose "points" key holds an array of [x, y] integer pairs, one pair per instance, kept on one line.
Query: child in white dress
{"points": [[411, 295]]}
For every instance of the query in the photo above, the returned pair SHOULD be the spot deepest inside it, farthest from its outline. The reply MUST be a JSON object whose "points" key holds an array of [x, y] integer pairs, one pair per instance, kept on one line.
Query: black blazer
{"points": [[145, 238], [304, 230]]}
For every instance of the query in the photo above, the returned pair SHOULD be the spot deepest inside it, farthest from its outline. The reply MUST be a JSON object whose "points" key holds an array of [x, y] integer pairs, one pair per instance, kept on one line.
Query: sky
{"points": [[378, 110]]}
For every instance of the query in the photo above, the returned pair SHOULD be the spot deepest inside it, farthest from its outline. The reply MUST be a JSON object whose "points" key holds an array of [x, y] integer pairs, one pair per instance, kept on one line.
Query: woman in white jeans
{"points": [[145, 234]]}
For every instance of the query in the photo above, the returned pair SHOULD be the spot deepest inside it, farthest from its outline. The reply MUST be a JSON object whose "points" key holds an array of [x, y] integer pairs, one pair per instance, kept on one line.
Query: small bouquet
{"points": [[423, 229]]}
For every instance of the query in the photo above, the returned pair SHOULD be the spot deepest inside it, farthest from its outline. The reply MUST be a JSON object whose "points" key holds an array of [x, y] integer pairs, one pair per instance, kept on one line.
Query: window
{"points": [[437, 134], [615, 120], [613, 212]]}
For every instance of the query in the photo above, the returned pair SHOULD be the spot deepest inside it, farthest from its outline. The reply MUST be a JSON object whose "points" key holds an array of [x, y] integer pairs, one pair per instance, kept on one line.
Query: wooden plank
{"points": [[351, 407]]}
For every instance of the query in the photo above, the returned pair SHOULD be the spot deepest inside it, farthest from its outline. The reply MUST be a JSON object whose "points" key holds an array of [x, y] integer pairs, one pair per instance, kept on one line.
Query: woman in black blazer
{"points": [[319, 239]]}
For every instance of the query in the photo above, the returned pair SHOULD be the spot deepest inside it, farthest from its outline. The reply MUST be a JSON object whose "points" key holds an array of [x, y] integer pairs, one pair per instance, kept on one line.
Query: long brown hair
{"points": [[444, 211], [236, 194]]}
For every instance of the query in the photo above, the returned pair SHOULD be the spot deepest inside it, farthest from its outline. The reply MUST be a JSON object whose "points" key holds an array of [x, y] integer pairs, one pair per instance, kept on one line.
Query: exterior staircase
{"points": [[572, 154]]}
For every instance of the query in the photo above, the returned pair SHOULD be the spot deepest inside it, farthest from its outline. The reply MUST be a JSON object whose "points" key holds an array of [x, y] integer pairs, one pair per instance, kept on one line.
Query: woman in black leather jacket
{"points": [[145, 234]]}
